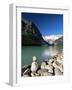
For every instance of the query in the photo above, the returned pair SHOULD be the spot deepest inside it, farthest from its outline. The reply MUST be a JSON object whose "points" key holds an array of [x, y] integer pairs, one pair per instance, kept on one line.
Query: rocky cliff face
{"points": [[31, 34], [59, 41]]}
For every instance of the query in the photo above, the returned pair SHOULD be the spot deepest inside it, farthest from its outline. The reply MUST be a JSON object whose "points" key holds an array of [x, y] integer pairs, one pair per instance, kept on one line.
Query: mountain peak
{"points": [[51, 39]]}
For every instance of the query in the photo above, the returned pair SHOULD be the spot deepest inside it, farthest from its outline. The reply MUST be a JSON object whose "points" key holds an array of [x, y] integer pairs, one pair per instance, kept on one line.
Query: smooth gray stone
{"points": [[58, 72], [26, 71], [43, 64], [25, 75]]}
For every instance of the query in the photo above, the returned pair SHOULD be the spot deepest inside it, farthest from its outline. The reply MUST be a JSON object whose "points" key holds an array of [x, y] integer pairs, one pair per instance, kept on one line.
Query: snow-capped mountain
{"points": [[51, 38]]}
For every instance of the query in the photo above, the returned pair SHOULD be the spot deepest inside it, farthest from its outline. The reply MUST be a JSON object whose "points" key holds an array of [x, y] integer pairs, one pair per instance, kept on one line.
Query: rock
{"points": [[25, 75], [43, 65], [58, 72], [50, 74], [61, 68], [60, 60], [26, 71], [34, 66], [25, 67], [34, 74], [39, 71], [45, 73], [58, 65], [50, 61], [49, 68]]}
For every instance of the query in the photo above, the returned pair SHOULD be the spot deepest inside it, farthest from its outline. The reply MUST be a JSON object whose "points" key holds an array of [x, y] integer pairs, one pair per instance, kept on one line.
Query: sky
{"points": [[48, 24]]}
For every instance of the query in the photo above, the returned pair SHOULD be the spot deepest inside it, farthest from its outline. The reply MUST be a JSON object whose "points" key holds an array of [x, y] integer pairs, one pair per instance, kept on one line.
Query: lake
{"points": [[41, 52]]}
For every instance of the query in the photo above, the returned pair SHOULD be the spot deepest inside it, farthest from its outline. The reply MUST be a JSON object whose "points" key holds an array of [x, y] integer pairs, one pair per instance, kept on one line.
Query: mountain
{"points": [[59, 41], [52, 39], [31, 34]]}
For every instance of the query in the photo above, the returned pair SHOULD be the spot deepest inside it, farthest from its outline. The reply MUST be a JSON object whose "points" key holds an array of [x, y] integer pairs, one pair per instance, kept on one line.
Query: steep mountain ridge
{"points": [[31, 34], [59, 41]]}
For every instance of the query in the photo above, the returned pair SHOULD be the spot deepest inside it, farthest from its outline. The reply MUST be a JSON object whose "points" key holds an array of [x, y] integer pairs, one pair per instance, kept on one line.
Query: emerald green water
{"points": [[41, 52]]}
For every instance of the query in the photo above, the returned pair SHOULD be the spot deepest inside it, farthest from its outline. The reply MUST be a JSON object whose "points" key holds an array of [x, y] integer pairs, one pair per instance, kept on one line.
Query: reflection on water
{"points": [[51, 51], [41, 52]]}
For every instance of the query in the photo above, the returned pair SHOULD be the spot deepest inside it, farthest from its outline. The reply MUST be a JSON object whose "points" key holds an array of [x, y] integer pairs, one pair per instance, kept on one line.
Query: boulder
{"points": [[60, 60], [57, 71], [24, 68], [39, 71], [50, 61], [26, 71], [50, 74], [34, 74], [43, 65], [45, 73], [34, 66], [58, 65], [49, 68], [42, 72], [26, 75], [61, 67]]}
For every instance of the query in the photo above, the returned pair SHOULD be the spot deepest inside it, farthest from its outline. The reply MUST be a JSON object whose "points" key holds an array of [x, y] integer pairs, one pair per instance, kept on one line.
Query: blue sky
{"points": [[48, 24]]}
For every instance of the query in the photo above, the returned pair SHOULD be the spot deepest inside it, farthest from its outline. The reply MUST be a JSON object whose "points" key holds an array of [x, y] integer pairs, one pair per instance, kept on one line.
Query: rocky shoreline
{"points": [[51, 67]]}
